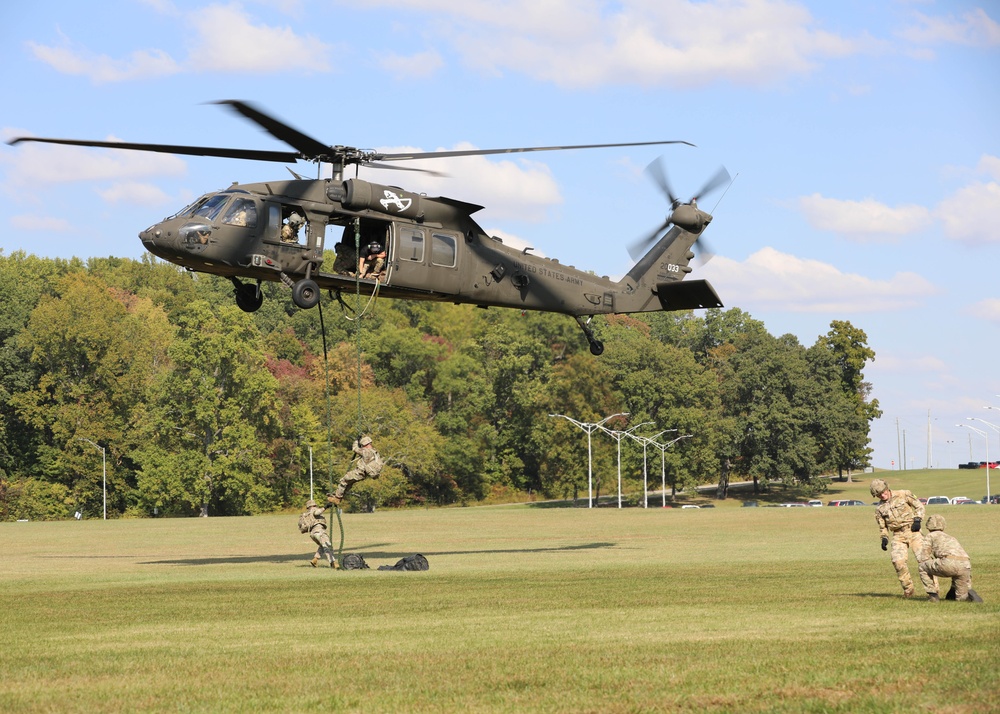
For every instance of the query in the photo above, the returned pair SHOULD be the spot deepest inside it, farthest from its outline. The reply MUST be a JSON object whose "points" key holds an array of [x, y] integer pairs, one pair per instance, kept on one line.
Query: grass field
{"points": [[525, 608]]}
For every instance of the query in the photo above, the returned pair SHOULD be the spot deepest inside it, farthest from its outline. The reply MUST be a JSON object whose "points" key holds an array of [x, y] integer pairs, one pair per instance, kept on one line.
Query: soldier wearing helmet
{"points": [[368, 464], [943, 556], [313, 522], [898, 517], [372, 262]]}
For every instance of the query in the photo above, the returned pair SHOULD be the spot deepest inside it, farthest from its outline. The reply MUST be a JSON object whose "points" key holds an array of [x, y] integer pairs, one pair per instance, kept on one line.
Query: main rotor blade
{"points": [[656, 172], [283, 157], [640, 247], [518, 150], [374, 165], [310, 148], [721, 177]]}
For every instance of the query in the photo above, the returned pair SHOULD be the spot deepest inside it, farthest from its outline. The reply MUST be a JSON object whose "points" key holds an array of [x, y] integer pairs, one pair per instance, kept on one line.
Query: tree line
{"points": [[203, 409]]}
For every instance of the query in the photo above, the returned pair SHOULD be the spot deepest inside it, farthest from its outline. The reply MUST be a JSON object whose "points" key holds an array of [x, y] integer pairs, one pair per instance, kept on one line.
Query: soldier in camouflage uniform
{"points": [[898, 517], [318, 533], [943, 555], [368, 465]]}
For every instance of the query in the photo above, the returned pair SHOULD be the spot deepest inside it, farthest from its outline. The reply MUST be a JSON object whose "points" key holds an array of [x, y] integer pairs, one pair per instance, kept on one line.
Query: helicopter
{"points": [[402, 244]]}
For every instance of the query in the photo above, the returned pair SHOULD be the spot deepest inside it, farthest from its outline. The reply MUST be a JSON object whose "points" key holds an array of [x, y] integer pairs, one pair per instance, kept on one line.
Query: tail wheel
{"points": [[305, 294]]}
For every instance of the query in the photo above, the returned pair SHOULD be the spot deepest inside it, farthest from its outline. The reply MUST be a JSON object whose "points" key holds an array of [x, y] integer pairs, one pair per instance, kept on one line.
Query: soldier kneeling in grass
{"points": [[942, 555]]}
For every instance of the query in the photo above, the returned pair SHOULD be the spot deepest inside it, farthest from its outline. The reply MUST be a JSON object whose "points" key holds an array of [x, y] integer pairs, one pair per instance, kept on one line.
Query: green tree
{"points": [[848, 348], [213, 421], [98, 351]]}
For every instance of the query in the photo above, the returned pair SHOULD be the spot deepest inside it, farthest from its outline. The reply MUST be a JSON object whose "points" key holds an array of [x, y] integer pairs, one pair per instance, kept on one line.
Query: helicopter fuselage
{"points": [[433, 249]]}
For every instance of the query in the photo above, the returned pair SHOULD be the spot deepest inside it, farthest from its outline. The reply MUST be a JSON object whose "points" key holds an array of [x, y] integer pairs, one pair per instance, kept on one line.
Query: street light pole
{"points": [[646, 440], [618, 436], [663, 463], [986, 437], [589, 428], [104, 468]]}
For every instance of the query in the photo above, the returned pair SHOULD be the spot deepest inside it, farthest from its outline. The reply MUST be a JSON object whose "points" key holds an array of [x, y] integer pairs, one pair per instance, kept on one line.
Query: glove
{"points": [[885, 543], [915, 528], [333, 500]]}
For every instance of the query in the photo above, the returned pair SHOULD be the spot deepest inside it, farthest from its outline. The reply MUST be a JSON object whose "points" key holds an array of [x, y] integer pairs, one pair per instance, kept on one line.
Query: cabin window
{"points": [[443, 250], [243, 212], [410, 245]]}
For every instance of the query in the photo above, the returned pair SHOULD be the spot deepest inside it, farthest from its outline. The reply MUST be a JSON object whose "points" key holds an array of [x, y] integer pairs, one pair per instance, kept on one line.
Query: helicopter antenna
{"points": [[725, 192]]}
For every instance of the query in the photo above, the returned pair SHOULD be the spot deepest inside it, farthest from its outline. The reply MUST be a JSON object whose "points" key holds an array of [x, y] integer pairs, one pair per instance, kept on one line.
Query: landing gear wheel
{"points": [[596, 346], [305, 293], [249, 298]]}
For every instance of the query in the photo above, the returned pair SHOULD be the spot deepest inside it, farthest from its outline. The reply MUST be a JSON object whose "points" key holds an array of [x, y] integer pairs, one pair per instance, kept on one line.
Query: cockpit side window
{"points": [[243, 212]]}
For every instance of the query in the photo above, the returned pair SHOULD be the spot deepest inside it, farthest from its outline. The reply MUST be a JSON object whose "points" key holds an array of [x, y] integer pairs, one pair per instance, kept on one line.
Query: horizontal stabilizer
{"points": [[687, 295]]}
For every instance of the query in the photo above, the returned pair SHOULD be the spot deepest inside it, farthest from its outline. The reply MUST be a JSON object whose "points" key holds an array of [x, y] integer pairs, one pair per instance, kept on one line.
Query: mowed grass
{"points": [[524, 609]]}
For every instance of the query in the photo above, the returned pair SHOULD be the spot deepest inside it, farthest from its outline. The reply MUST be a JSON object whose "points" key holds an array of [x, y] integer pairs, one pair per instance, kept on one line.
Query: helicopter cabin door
{"points": [[289, 233], [426, 259]]}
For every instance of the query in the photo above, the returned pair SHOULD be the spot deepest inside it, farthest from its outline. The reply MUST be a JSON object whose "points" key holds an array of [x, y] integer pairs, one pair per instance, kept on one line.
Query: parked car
{"points": [[815, 502], [690, 506], [970, 502], [749, 504], [793, 505], [959, 499], [995, 498], [938, 501]]}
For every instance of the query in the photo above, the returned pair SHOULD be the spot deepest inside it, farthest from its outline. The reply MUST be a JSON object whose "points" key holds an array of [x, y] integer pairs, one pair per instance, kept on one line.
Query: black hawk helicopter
{"points": [[402, 244]]}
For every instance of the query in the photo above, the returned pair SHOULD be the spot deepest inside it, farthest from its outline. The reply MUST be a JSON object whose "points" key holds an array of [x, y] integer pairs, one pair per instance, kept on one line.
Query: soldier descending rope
{"points": [[368, 464]]}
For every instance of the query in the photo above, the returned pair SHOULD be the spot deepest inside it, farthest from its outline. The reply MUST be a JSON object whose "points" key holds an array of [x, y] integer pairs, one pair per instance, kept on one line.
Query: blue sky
{"points": [[864, 138]]}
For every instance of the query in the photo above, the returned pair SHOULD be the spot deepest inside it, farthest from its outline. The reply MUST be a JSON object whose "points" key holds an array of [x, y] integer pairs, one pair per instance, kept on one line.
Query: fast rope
{"points": [[329, 428]]}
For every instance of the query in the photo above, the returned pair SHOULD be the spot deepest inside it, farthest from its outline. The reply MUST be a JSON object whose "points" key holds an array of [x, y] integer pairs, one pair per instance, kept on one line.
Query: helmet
{"points": [[365, 440], [935, 523], [374, 248], [310, 503], [878, 486]]}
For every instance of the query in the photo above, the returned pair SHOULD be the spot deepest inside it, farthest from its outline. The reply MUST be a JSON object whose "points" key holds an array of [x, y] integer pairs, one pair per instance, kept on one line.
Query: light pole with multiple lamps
{"points": [[663, 465], [104, 467], [589, 428], [645, 441], [618, 436]]}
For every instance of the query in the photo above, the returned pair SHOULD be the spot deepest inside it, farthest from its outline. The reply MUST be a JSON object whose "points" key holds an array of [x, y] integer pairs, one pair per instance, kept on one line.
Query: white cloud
{"points": [[249, 47], [101, 69], [646, 42], [142, 194], [972, 214], [986, 310], [38, 224], [509, 188], [244, 46], [974, 28], [863, 220], [423, 64], [989, 165], [772, 280]]}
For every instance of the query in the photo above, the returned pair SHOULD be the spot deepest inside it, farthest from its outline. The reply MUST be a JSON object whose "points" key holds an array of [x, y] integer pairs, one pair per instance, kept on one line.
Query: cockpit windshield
{"points": [[208, 206]]}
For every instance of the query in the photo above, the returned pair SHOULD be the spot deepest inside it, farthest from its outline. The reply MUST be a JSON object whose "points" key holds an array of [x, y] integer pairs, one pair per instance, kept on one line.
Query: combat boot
{"points": [[908, 592], [314, 561], [334, 564], [933, 597]]}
